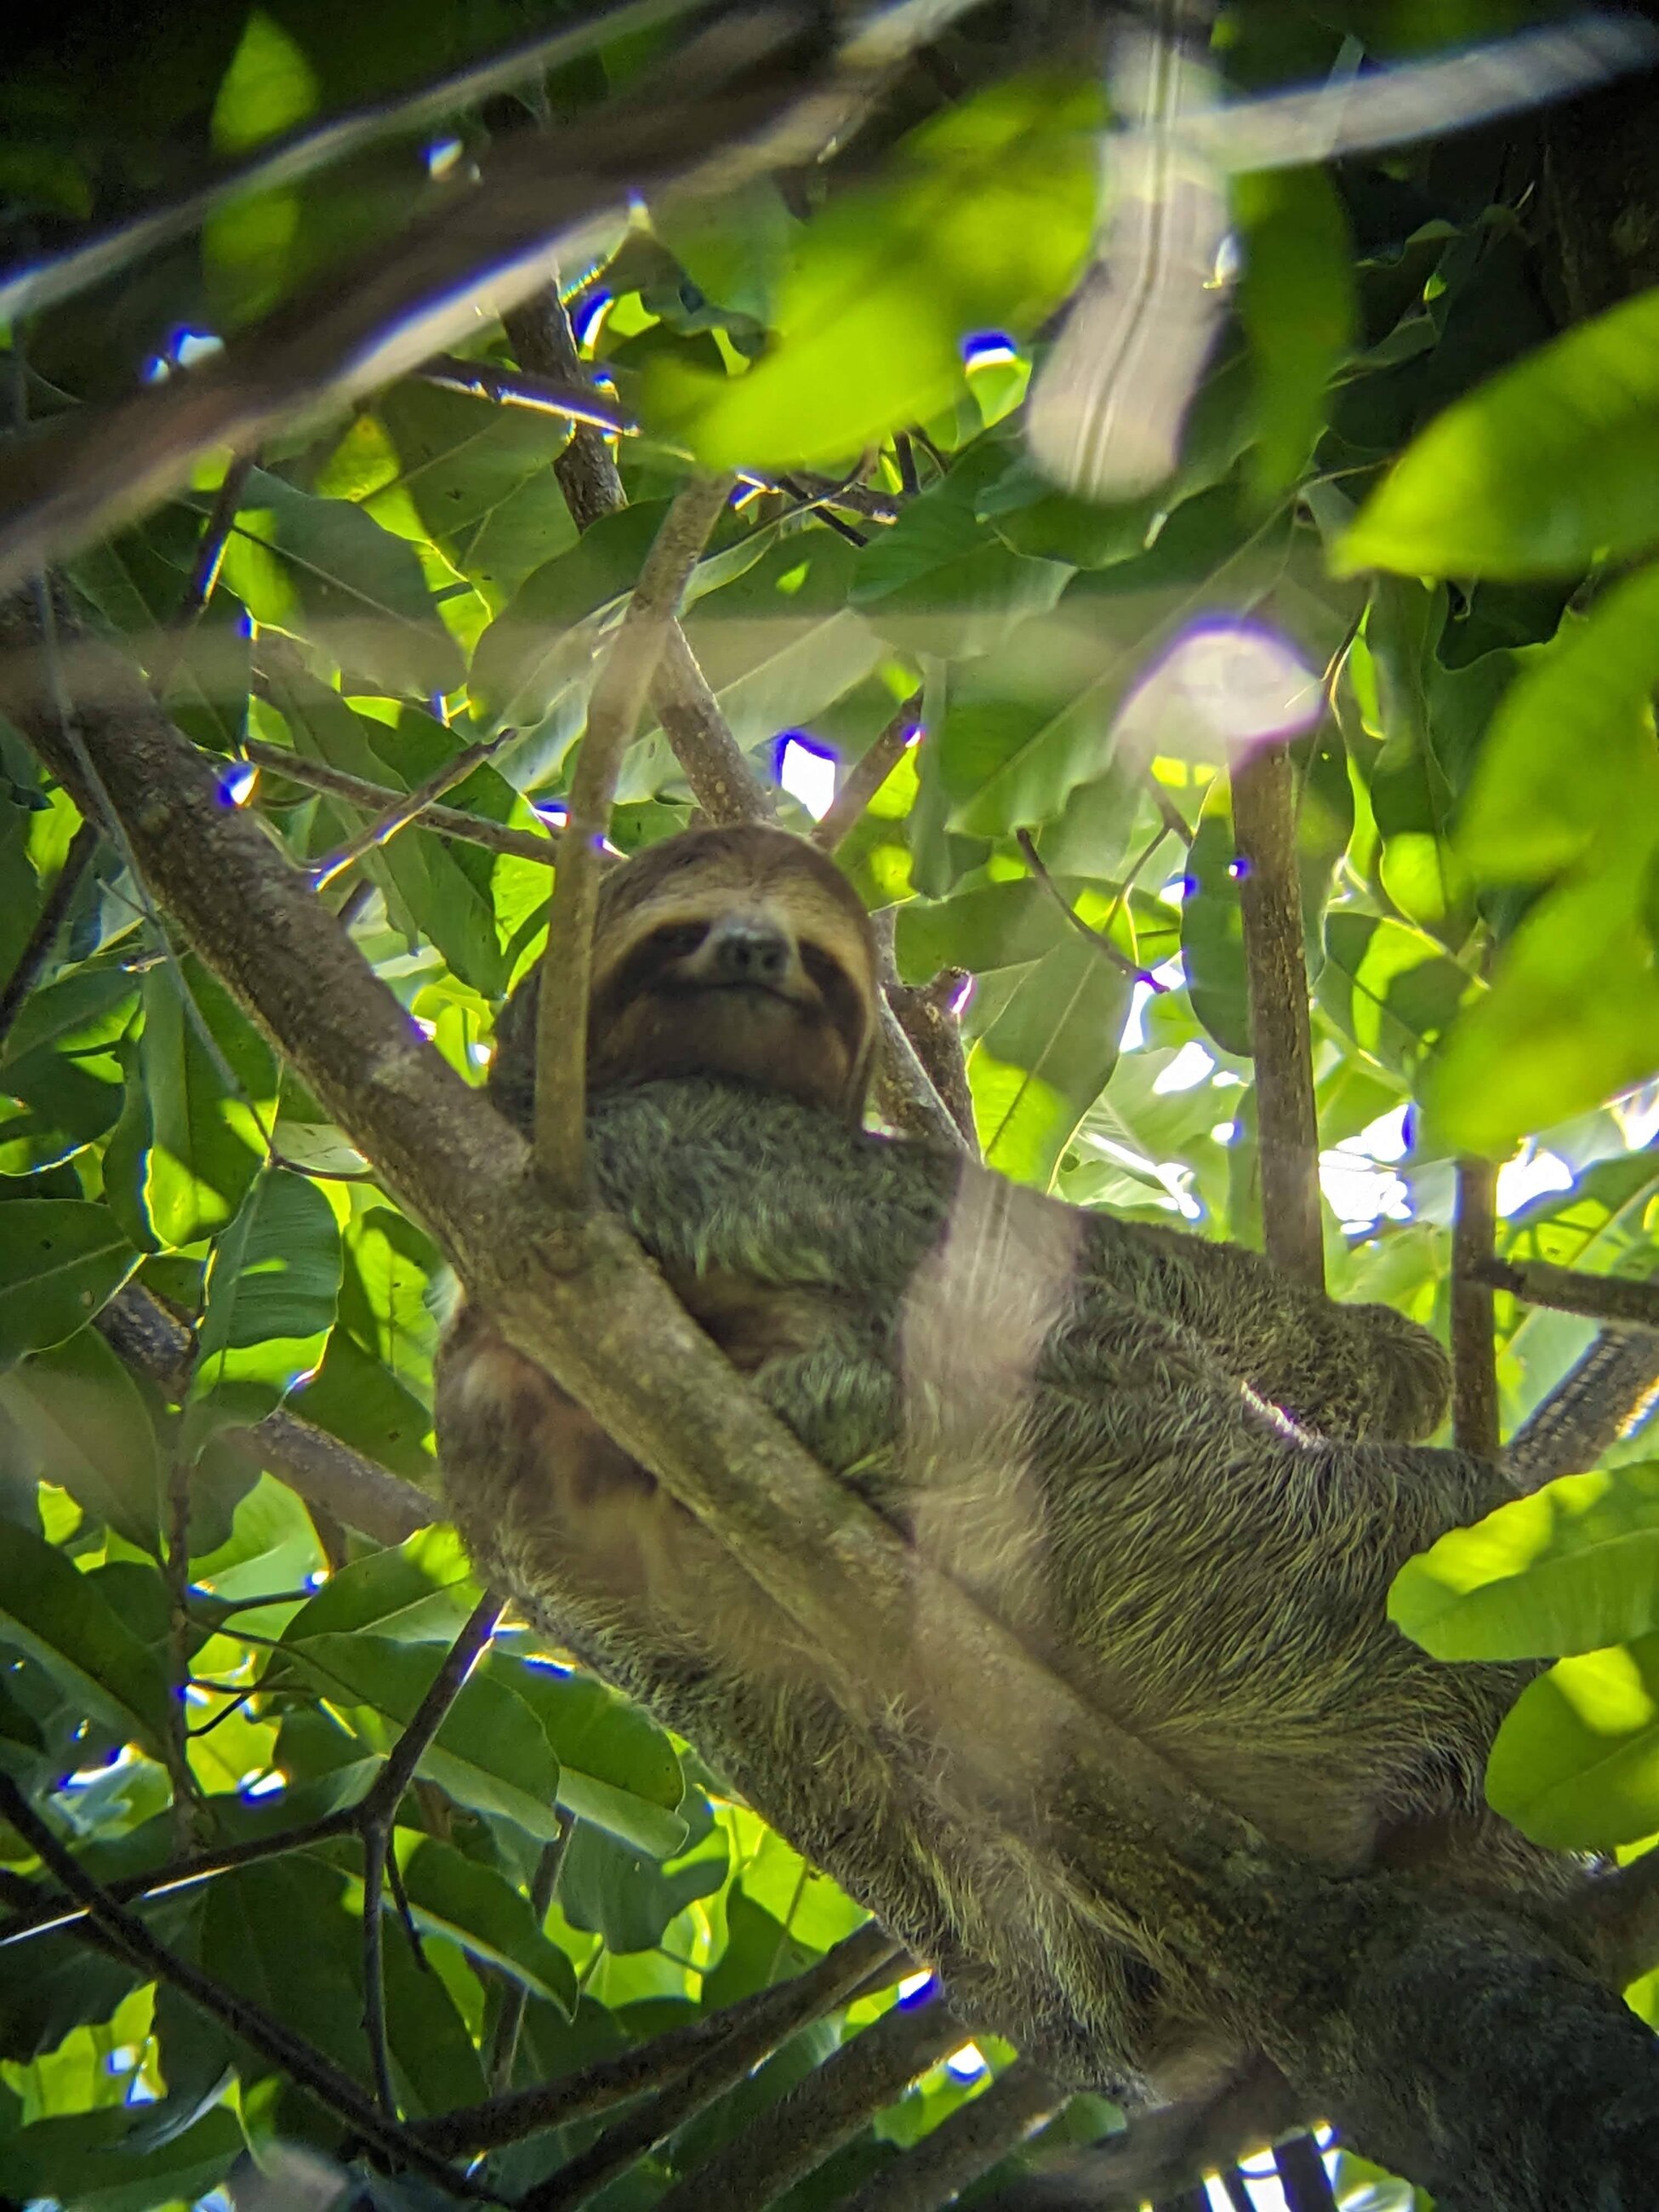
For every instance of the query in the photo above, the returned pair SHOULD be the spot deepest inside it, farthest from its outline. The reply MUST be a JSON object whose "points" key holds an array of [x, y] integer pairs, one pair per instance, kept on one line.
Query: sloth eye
{"points": [[676, 938]]}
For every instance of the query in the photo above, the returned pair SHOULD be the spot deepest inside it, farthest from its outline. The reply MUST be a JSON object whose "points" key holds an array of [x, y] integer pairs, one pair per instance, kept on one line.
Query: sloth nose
{"points": [[749, 953]]}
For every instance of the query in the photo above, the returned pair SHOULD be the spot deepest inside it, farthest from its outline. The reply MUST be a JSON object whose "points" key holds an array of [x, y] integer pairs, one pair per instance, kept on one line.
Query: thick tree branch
{"points": [[717, 2049], [867, 774], [976, 2137], [1609, 1394], [1388, 2004], [1473, 1342], [613, 710], [1281, 1040], [783, 2144]]}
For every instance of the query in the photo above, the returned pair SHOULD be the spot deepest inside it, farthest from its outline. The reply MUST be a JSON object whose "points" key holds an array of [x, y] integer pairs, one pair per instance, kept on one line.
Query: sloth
{"points": [[1178, 1474]]}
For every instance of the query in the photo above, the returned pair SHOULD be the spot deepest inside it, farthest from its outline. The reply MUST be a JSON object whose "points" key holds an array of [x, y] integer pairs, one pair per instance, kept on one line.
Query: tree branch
{"points": [[403, 811], [379, 799], [1473, 1328], [867, 774], [574, 398], [722, 782], [717, 2049], [1362, 1989], [613, 709], [268, 2037], [1281, 1041], [783, 2144], [1609, 1394], [976, 2137], [1302, 2176], [1613, 1298]]}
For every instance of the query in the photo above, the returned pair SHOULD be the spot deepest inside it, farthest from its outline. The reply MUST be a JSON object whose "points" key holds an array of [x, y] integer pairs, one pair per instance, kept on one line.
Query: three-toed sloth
{"points": [[1161, 1460]]}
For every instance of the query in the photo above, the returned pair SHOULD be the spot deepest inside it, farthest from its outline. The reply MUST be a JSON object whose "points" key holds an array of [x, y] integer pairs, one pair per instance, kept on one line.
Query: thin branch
{"points": [[927, 1018], [1473, 1326], [810, 2122], [1281, 1040], [204, 569], [707, 2055], [376, 1845], [905, 1097], [976, 2137], [266, 2036], [188, 1811], [407, 808], [381, 1802], [543, 847], [867, 774], [748, 94], [715, 764], [1094, 937], [504, 2036], [1174, 820], [613, 711], [322, 1470], [1612, 1298], [37, 948], [573, 400]]}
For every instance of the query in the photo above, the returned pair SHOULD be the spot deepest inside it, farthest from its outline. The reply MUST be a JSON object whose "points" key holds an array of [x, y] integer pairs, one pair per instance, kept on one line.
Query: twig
{"points": [[378, 798], [1094, 937], [574, 400], [1609, 1394], [1174, 820], [618, 693], [37, 948], [974, 2139], [188, 1811], [504, 2037], [209, 553], [407, 808], [706, 2056], [256, 2028], [1281, 1041], [783, 2144], [715, 764], [867, 774], [1473, 1326], [1302, 2176], [1613, 1298], [322, 1470]]}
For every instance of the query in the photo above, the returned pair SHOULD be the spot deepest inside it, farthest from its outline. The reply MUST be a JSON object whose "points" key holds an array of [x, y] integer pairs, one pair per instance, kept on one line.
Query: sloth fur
{"points": [[1178, 1474]]}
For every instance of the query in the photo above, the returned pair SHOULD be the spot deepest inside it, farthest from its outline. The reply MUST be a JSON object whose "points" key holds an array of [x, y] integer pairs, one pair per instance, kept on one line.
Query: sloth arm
{"points": [[716, 1179]]}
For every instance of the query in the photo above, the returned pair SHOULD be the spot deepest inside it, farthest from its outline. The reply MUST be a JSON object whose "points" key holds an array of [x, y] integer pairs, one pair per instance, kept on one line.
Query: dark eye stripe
{"points": [[844, 1000]]}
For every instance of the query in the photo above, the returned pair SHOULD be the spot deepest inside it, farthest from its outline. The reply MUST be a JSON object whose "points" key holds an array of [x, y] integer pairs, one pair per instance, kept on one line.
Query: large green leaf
{"points": [[89, 1430], [1576, 1764], [271, 1288], [1552, 466], [1039, 1065], [61, 1260], [324, 569], [617, 1769], [62, 1070], [54, 1614], [211, 1099], [482, 1912], [1569, 1568], [939, 582], [1296, 301], [1571, 746], [420, 1591], [1388, 987]]}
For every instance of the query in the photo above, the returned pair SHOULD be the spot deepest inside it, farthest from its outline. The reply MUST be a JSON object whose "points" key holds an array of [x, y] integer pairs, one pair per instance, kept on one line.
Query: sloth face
{"points": [[739, 952]]}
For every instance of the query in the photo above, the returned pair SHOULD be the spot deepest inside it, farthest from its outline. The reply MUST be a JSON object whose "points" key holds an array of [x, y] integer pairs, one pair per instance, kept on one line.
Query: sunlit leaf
{"points": [[60, 1259], [56, 1616], [1576, 1764]]}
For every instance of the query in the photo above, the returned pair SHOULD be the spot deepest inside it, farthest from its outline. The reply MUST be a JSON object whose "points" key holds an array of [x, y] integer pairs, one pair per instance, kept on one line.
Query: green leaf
{"points": [[1576, 1764], [86, 1424], [482, 1912], [324, 569], [82, 2159], [938, 582], [420, 1591], [1551, 466], [983, 222], [1212, 926], [55, 1615], [1571, 746], [609, 1890], [61, 1260], [1046, 1057], [490, 1754], [1297, 302], [1388, 987], [617, 1769], [61, 1065], [1569, 1568], [271, 1288], [206, 1144]]}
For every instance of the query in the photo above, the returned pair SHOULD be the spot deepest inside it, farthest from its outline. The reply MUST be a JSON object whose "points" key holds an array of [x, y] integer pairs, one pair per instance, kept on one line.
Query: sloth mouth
{"points": [[689, 987]]}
